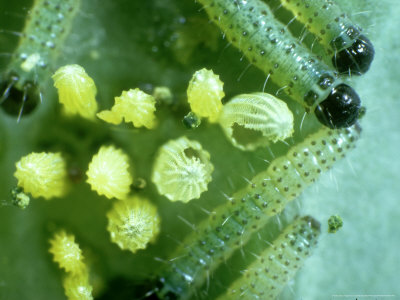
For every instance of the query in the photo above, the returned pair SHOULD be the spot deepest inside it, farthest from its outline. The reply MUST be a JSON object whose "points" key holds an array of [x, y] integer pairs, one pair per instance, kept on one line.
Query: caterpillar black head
{"points": [[163, 293], [17, 101], [355, 59], [340, 109]]}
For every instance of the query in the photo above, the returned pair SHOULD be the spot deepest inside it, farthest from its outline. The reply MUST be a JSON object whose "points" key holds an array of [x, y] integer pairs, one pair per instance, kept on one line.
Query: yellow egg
{"points": [[76, 91], [67, 253], [108, 173], [134, 106], [42, 174], [133, 223], [77, 287], [205, 93]]}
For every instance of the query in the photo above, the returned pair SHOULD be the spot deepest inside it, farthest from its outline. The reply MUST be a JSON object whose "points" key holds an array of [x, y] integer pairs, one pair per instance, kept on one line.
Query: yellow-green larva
{"points": [[47, 26], [351, 51], [277, 265], [253, 120], [249, 209], [250, 26]]}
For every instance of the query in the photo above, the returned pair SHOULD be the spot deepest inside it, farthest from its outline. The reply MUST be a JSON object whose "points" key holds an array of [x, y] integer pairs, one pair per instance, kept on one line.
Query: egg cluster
{"points": [[67, 253]]}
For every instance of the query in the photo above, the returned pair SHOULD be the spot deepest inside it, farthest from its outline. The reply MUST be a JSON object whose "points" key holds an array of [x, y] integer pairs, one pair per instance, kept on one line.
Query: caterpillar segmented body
{"points": [[351, 51], [231, 225], [251, 27], [48, 24], [267, 276]]}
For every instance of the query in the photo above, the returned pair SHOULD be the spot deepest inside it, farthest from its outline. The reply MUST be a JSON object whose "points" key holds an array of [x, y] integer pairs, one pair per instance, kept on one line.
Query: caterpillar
{"points": [[352, 52], [46, 29], [249, 209], [267, 276], [250, 26]]}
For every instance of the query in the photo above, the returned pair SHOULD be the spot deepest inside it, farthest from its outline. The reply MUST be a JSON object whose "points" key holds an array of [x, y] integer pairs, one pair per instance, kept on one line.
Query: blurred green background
{"points": [[128, 44]]}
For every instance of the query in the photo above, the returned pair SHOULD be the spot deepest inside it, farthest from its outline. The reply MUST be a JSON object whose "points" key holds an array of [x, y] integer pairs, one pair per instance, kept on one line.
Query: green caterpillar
{"points": [[352, 52], [47, 26], [251, 27], [268, 275], [231, 225]]}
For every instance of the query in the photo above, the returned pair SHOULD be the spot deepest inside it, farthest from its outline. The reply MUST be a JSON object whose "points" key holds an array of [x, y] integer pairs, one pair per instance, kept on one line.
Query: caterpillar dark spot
{"points": [[251, 27], [232, 224], [352, 51], [267, 276], [47, 26]]}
